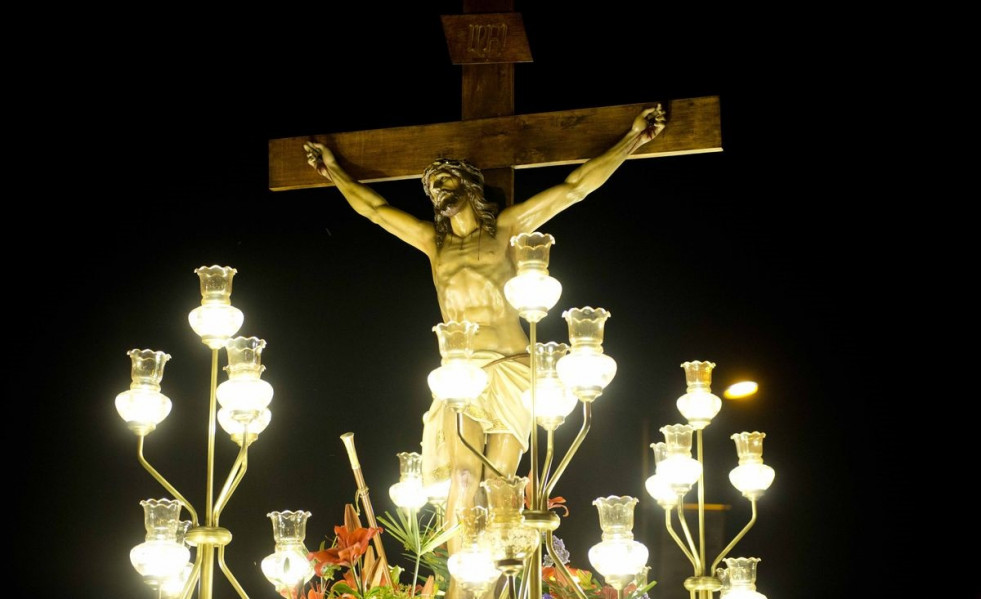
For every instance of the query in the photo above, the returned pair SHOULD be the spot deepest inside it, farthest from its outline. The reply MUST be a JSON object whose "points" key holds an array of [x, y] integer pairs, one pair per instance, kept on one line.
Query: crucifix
{"points": [[487, 45], [468, 245]]}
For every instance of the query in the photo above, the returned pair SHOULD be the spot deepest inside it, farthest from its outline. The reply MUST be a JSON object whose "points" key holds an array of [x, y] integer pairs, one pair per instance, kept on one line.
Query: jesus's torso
{"points": [[469, 273]]}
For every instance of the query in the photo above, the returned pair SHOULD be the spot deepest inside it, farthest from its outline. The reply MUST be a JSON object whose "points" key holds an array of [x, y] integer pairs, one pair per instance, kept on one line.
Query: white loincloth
{"points": [[500, 409]]}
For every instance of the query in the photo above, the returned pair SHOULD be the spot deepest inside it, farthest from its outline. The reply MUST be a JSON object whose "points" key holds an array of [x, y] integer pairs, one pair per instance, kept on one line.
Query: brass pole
{"points": [[701, 507], [536, 500]]}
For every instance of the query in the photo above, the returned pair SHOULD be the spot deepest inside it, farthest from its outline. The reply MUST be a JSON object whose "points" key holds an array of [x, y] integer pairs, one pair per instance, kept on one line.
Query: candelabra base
{"points": [[208, 535], [703, 583]]}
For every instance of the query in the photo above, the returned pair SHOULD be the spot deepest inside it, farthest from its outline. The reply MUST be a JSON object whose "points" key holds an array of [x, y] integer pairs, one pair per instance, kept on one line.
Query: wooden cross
{"points": [[488, 44]]}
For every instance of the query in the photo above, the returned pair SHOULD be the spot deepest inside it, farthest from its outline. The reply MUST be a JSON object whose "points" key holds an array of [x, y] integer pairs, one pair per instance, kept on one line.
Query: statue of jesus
{"points": [[468, 247]]}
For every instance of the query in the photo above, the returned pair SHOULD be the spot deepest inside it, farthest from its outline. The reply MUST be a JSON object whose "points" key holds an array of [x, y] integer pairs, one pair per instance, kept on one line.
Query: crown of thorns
{"points": [[450, 164]]}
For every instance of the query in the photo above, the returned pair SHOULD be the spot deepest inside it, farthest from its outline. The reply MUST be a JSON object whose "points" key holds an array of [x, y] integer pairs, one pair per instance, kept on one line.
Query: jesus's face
{"points": [[447, 193]]}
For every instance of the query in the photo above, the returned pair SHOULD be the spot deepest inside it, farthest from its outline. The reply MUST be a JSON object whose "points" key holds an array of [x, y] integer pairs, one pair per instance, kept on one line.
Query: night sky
{"points": [[738, 257]]}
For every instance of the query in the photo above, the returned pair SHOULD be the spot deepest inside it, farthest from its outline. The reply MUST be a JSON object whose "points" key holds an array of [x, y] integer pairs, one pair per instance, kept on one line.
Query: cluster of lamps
{"points": [[164, 559], [504, 538], [677, 472]]}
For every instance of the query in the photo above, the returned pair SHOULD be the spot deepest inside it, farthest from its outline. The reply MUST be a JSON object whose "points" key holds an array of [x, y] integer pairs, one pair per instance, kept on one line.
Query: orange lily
{"points": [[350, 546]]}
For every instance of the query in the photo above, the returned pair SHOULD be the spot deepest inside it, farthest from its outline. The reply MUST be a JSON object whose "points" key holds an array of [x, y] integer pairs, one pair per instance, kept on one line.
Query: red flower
{"points": [[349, 547]]}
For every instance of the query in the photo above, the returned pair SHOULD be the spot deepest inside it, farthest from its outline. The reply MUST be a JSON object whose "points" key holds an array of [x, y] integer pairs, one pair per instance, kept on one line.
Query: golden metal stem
{"points": [[546, 469], [228, 573], [691, 543], [235, 476], [677, 539], [533, 501], [474, 450], [160, 479], [212, 418], [742, 533], [701, 503], [587, 417], [533, 570], [207, 570], [549, 546]]}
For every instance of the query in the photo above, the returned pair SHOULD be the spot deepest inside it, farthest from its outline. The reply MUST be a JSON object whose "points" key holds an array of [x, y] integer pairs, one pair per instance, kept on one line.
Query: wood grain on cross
{"points": [[487, 44]]}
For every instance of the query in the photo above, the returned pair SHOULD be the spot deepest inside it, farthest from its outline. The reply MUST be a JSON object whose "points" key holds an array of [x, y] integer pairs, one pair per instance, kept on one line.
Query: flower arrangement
{"points": [[555, 585], [349, 569]]}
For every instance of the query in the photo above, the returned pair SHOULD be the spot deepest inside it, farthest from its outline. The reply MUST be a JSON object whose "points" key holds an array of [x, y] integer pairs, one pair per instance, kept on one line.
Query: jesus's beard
{"points": [[449, 202]]}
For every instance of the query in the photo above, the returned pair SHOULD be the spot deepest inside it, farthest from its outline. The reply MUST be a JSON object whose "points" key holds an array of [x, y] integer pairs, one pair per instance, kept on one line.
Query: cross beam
{"points": [[518, 141]]}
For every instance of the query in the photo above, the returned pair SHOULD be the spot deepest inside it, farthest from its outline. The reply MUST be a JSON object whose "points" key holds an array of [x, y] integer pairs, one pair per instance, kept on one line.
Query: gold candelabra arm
{"points": [[229, 575], [235, 476], [212, 421], [587, 418], [737, 538], [474, 450], [536, 500], [528, 583], [701, 500], [166, 485], [550, 547], [546, 470], [695, 553], [674, 535]]}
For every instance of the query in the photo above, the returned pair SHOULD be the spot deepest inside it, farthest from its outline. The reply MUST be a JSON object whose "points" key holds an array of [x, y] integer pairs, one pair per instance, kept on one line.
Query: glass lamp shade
{"points": [[699, 405], [163, 554], [618, 557], [507, 536], [751, 477], [159, 560], [473, 568], [458, 381], [553, 401], [677, 466], [532, 291], [658, 486], [240, 429], [437, 493], [289, 565], [143, 406], [472, 565], [586, 370], [215, 320], [533, 294], [739, 578], [409, 493], [173, 586], [244, 394]]}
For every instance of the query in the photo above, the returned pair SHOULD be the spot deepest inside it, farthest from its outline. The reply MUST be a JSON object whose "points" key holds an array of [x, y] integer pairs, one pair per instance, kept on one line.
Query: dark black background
{"points": [[156, 164]]}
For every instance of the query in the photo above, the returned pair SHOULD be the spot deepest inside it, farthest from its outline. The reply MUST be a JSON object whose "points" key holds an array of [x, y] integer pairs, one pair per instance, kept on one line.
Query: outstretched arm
{"points": [[588, 177], [369, 204]]}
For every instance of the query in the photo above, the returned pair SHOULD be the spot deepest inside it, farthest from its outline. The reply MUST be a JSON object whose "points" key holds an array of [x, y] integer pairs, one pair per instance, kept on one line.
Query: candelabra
{"points": [[507, 538], [676, 472], [163, 560]]}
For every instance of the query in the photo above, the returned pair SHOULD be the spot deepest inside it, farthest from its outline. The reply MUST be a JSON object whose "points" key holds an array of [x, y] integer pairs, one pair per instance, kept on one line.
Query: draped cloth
{"points": [[500, 409]]}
